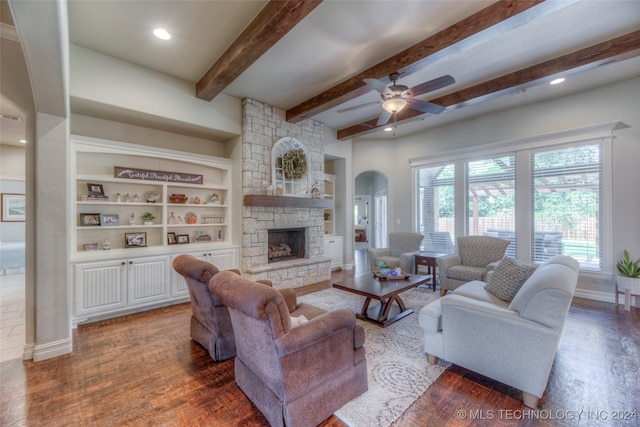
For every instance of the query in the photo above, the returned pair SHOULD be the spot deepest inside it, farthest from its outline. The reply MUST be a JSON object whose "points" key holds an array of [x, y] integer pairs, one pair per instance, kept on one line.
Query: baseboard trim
{"points": [[595, 295], [27, 352], [52, 349]]}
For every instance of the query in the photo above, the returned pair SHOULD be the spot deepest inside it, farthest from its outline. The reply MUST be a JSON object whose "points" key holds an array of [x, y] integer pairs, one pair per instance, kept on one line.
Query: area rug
{"points": [[398, 371]]}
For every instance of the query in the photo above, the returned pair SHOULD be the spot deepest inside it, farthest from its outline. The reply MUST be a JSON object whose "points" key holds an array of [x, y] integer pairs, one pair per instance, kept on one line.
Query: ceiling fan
{"points": [[396, 97]]}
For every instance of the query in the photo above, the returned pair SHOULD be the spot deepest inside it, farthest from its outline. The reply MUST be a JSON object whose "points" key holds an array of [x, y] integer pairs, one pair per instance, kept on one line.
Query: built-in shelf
{"points": [[285, 201]]}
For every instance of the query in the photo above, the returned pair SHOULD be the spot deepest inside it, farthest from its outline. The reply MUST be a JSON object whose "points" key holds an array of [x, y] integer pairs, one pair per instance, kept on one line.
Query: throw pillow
{"points": [[508, 277], [297, 321]]}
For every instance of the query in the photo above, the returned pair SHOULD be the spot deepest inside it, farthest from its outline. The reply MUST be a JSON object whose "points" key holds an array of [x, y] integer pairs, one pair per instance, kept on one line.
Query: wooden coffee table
{"points": [[385, 291]]}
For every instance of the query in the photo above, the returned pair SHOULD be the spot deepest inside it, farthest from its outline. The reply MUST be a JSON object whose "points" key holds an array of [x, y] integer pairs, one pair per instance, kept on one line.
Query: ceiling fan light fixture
{"points": [[162, 34], [394, 105]]}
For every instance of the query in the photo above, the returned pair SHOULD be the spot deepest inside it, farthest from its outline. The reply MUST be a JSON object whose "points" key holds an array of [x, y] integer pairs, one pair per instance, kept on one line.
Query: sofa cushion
{"points": [[466, 273], [476, 290], [507, 278]]}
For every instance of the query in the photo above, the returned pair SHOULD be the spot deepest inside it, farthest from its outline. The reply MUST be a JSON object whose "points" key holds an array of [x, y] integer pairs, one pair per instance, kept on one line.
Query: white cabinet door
{"points": [[223, 259], [100, 287], [147, 280], [333, 249]]}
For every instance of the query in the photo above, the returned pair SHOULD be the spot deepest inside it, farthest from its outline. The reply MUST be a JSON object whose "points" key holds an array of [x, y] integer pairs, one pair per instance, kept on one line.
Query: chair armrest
{"points": [[376, 253], [492, 266], [408, 261], [315, 330], [289, 298], [448, 261]]}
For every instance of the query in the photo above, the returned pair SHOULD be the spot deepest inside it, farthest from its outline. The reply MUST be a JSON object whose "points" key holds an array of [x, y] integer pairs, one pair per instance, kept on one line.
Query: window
{"points": [[380, 201], [436, 207], [547, 195], [491, 199], [289, 167], [567, 204]]}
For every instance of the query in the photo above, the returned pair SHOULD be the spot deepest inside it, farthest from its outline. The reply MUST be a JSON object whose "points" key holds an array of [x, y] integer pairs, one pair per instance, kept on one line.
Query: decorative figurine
{"points": [[197, 200], [172, 219]]}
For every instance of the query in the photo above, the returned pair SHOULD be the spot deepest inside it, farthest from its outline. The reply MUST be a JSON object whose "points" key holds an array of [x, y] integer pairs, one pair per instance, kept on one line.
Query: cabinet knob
{"points": [[123, 263], [130, 262]]}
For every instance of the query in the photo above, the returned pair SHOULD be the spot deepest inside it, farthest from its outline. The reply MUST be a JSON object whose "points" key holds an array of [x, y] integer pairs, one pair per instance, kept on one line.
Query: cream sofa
{"points": [[514, 343]]}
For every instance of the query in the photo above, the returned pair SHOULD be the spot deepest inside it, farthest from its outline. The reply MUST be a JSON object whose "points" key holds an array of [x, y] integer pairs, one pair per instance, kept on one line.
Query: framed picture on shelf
{"points": [[109, 220], [135, 240], [95, 189], [13, 207], [182, 238], [171, 238], [89, 219]]}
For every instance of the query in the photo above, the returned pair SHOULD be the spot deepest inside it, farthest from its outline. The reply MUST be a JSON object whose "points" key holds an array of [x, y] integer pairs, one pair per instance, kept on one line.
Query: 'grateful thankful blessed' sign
{"points": [[148, 175]]}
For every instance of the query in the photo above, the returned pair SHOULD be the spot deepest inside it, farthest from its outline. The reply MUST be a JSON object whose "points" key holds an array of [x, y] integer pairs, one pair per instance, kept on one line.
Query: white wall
{"points": [[117, 131], [101, 79], [616, 102]]}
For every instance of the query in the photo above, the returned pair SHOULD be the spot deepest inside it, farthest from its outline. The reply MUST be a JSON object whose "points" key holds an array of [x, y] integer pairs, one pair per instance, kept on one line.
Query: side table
{"points": [[428, 259]]}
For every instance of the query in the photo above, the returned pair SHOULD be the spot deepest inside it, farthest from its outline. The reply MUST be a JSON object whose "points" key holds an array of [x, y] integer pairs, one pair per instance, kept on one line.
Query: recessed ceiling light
{"points": [[557, 81], [23, 141], [162, 34], [389, 129]]}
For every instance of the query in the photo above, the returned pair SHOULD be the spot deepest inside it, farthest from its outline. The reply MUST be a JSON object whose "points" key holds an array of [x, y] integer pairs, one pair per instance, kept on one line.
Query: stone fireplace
{"points": [[263, 126]]}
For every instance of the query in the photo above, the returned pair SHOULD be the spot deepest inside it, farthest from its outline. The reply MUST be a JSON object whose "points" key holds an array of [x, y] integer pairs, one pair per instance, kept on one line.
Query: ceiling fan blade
{"points": [[379, 86], [368, 104], [425, 107], [432, 85], [384, 118]]}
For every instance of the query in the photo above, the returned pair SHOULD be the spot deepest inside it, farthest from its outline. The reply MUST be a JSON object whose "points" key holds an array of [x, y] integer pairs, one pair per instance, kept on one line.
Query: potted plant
{"points": [[384, 268], [628, 275], [148, 218]]}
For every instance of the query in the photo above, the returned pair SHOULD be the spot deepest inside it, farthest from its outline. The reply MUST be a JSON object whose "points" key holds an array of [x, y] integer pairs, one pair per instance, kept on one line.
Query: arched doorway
{"points": [[371, 215]]}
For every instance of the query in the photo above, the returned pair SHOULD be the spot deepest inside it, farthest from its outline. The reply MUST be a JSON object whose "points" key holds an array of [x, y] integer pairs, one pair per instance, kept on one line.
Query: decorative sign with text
{"points": [[149, 175]]}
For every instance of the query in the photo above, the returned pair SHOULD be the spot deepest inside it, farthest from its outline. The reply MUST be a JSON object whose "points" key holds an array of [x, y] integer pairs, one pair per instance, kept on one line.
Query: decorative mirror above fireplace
{"points": [[290, 168]]}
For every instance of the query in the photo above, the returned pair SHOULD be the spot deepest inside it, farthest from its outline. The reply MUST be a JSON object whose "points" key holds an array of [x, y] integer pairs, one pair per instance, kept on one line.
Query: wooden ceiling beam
{"points": [[273, 22], [484, 25], [619, 48]]}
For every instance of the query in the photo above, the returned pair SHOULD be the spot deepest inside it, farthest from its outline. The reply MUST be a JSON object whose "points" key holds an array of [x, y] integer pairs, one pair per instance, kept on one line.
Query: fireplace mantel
{"points": [[285, 201]]}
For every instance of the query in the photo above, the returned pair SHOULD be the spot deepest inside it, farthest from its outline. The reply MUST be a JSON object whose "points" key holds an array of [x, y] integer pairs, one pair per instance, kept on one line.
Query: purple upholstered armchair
{"points": [[210, 323], [296, 376]]}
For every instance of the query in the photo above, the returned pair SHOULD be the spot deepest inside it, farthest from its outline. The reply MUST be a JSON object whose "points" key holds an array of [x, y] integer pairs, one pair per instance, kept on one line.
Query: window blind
{"points": [[435, 216], [567, 189], [491, 199]]}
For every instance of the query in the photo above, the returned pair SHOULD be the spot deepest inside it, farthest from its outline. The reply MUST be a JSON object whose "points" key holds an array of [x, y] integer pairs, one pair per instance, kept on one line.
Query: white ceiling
{"points": [[339, 39]]}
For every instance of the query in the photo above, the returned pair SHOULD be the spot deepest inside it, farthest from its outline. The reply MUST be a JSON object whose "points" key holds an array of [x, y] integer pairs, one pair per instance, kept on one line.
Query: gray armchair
{"points": [[401, 252], [513, 342], [476, 255], [296, 376]]}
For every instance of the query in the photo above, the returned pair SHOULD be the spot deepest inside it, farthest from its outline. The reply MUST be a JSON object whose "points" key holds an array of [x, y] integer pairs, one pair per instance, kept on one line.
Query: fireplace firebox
{"points": [[285, 244]]}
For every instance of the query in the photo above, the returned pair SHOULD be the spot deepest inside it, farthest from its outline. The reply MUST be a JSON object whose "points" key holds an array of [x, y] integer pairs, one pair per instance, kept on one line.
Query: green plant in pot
{"points": [[148, 218], [628, 274], [384, 268]]}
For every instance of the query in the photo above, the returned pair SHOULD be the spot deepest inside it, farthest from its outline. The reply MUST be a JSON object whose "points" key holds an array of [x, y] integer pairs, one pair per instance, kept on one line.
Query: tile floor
{"points": [[12, 316]]}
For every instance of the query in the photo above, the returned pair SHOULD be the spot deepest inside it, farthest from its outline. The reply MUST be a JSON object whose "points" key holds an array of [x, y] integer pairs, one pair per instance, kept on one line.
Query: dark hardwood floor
{"points": [[145, 370]]}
